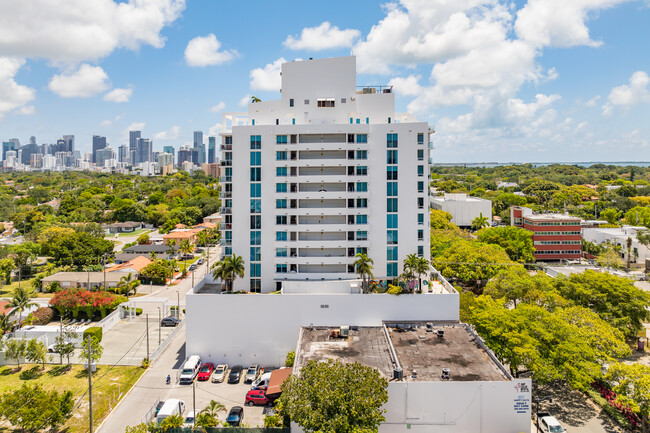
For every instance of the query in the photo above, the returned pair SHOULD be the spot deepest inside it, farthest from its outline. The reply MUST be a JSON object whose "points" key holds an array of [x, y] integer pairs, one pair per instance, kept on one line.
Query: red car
{"points": [[206, 371], [258, 397]]}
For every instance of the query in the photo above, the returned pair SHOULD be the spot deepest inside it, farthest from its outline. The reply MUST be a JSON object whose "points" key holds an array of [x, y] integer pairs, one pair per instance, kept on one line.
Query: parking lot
{"points": [[228, 394]]}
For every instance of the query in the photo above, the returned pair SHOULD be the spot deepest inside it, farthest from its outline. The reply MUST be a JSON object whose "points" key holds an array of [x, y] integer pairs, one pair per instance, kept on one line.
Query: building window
{"points": [[391, 173], [361, 138], [420, 251], [342, 100], [362, 202], [256, 237], [362, 154], [256, 222], [281, 220], [420, 138], [255, 254], [281, 236], [362, 236], [420, 202], [391, 268], [281, 171], [256, 190], [281, 203], [255, 286], [391, 237], [391, 140], [351, 120], [281, 155], [281, 268], [325, 102], [391, 205], [228, 139], [256, 205], [391, 157], [391, 221], [256, 158], [280, 187], [420, 219], [280, 252], [362, 170], [281, 139], [420, 170], [362, 219], [256, 270], [228, 251], [367, 120], [291, 102], [256, 142], [306, 101], [362, 186], [391, 253], [391, 189], [256, 174], [420, 186], [420, 154]]}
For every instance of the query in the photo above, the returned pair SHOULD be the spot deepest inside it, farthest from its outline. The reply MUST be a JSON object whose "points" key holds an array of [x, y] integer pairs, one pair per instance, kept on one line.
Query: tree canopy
{"points": [[517, 242]]}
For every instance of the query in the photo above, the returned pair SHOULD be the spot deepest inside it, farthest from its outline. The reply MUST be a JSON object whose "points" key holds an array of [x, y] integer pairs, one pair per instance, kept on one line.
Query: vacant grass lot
{"points": [[109, 386]]}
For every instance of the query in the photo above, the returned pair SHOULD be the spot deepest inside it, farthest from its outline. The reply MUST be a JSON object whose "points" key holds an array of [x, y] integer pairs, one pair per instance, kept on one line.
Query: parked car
{"points": [[192, 266], [159, 406], [206, 371], [200, 261], [235, 374], [189, 419], [190, 369], [252, 373], [173, 406], [235, 416], [548, 423], [186, 257], [262, 382], [219, 374], [169, 321], [257, 397]]}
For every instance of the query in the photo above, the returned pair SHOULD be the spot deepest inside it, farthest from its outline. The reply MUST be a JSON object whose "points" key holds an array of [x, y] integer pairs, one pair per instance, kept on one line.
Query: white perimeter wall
{"points": [[458, 407], [248, 328]]}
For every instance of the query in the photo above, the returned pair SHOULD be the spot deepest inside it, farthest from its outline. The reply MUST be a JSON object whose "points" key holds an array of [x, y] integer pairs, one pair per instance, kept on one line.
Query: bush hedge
{"points": [[138, 311], [73, 301], [93, 331]]}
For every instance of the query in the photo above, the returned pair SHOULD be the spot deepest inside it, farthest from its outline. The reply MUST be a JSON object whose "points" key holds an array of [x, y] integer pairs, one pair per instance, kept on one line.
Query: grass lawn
{"points": [[108, 387], [133, 233], [6, 289]]}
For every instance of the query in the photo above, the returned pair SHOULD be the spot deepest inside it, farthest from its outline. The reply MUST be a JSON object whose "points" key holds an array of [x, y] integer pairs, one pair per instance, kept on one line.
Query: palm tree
{"points": [[479, 222], [5, 324], [202, 238], [185, 248], [228, 270], [255, 99], [422, 266], [410, 263], [213, 408], [21, 300], [363, 265], [172, 422], [205, 421], [127, 285]]}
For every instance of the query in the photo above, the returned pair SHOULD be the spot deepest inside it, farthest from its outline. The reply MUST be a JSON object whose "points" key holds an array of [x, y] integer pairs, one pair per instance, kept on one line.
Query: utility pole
{"points": [[90, 390], [194, 398], [147, 318], [61, 332], [178, 306], [104, 269], [159, 320]]}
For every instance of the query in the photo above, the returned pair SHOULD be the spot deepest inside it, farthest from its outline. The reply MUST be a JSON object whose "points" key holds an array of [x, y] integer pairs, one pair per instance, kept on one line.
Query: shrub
{"points": [[93, 332], [42, 316], [291, 357], [394, 290], [138, 311]]}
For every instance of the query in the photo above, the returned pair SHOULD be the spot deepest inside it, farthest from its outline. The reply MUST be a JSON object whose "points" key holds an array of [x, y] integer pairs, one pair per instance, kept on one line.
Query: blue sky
{"points": [[523, 81]]}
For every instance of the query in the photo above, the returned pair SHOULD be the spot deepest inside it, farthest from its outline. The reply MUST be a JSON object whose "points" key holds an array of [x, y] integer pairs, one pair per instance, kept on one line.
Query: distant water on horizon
{"points": [[542, 164]]}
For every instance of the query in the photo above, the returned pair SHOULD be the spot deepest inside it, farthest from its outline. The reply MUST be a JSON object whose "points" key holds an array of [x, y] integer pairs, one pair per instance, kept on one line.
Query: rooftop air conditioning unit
{"points": [[441, 333], [398, 373], [446, 374], [345, 331]]}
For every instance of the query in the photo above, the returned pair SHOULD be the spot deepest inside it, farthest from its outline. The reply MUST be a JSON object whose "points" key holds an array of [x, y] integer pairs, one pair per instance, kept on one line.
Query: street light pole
{"points": [[159, 319], [178, 305]]}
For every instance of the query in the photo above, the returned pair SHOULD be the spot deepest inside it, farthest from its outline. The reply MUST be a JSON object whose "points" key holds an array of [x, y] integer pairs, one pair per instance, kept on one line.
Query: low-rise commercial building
{"points": [[618, 236], [463, 208], [84, 280]]}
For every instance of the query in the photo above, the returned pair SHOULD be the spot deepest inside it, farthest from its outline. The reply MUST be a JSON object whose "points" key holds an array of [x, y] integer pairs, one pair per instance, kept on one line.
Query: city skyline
{"points": [[499, 82]]}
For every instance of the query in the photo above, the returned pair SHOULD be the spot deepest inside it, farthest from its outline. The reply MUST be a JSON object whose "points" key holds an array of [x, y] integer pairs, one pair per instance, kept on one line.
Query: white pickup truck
{"points": [[548, 424]]}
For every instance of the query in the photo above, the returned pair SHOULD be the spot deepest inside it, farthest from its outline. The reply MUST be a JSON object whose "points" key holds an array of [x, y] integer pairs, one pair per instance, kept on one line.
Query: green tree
{"points": [[208, 417], [63, 344], [96, 350], [15, 349], [46, 409], [172, 422], [638, 216], [363, 266], [609, 259], [335, 397], [631, 383], [185, 248], [128, 285], [5, 324], [516, 285], [480, 222], [517, 242], [611, 215], [228, 269], [6, 267], [541, 189], [143, 239], [36, 352], [472, 261], [21, 300], [440, 220]]}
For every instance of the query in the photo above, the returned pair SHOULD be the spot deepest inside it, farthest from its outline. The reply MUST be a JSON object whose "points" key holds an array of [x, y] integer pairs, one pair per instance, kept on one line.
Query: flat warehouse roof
{"points": [[416, 346]]}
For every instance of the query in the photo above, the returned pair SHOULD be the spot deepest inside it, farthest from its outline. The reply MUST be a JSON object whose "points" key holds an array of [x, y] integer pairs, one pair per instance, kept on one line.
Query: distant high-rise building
{"points": [[133, 139], [123, 153], [32, 140], [104, 155], [98, 143], [49, 162], [212, 151], [69, 143], [200, 147], [184, 154], [6, 147], [170, 150], [36, 160], [15, 141], [27, 151], [144, 150], [165, 160]]}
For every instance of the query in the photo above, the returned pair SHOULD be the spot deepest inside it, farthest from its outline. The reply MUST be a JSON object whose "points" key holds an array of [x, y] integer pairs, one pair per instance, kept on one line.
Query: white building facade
{"points": [[326, 172], [463, 208]]}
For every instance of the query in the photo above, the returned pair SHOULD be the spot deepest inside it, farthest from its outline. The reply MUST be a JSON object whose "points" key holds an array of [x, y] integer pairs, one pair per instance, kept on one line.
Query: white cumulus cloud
{"points": [[26, 110], [85, 82], [243, 102], [268, 77], [636, 91], [171, 134], [135, 126], [322, 37], [12, 95], [74, 31], [407, 86], [217, 108], [204, 51], [214, 129], [118, 95]]}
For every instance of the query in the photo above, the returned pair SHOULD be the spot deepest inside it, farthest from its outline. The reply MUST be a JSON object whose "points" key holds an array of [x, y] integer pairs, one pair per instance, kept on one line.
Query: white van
{"points": [[190, 369], [173, 406], [261, 382]]}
